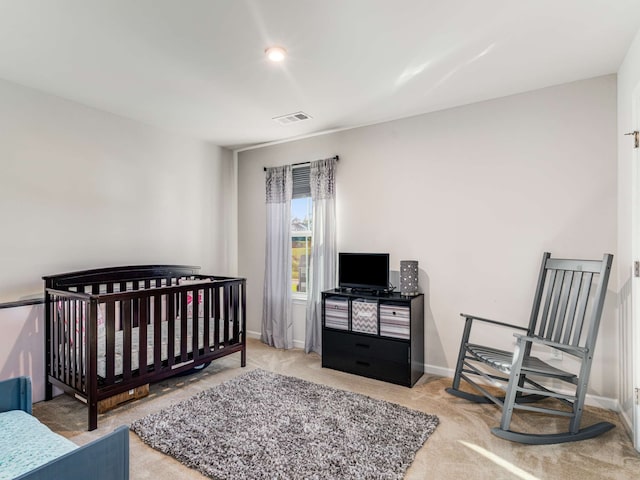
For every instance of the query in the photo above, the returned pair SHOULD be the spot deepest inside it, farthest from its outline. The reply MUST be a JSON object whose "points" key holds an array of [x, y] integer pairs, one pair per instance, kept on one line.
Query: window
{"points": [[301, 214]]}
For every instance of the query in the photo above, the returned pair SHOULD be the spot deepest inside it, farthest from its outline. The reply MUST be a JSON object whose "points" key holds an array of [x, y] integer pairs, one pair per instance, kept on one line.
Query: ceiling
{"points": [[198, 67]]}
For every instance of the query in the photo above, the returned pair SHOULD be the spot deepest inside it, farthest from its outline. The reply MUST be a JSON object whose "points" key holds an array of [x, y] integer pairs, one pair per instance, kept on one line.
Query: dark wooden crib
{"points": [[110, 330]]}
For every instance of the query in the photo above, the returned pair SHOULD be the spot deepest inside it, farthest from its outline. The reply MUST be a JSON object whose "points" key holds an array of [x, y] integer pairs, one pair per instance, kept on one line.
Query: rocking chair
{"points": [[565, 316]]}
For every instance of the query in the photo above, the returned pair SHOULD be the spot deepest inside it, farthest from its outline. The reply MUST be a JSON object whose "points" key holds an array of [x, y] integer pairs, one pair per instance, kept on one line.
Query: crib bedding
{"points": [[26, 444], [135, 343]]}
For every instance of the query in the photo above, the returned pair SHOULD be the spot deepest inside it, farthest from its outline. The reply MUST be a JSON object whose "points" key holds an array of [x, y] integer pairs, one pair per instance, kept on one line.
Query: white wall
{"points": [[476, 194], [628, 85], [81, 188]]}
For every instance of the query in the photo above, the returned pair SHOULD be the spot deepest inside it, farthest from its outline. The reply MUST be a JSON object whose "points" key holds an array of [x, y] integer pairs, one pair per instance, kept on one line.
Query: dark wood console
{"points": [[379, 336]]}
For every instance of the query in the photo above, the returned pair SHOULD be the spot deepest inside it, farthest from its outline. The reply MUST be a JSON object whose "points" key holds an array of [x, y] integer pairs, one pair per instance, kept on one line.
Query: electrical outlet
{"points": [[556, 354]]}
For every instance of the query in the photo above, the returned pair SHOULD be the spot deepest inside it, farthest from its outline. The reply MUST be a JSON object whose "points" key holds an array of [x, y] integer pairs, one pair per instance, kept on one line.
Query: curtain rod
{"points": [[337, 159]]}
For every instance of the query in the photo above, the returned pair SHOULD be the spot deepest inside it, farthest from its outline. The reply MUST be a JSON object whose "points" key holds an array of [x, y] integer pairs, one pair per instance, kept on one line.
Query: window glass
{"points": [[300, 242]]}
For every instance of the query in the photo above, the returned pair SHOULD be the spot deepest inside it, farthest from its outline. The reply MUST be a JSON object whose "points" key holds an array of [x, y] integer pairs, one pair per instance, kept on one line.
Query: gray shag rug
{"points": [[262, 425]]}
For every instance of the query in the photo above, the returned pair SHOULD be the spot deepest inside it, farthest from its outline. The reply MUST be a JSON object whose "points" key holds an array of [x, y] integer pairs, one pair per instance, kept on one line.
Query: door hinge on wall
{"points": [[636, 137], [636, 268]]}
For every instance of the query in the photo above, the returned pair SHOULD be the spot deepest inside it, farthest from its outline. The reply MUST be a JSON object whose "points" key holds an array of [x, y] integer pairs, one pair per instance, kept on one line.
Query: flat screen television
{"points": [[365, 271]]}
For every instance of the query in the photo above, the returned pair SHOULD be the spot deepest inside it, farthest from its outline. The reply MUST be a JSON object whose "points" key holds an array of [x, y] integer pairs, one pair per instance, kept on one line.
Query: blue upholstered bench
{"points": [[29, 450]]}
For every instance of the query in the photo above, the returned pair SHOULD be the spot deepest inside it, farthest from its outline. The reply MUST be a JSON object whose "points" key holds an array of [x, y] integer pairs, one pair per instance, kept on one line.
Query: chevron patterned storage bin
{"points": [[364, 316]]}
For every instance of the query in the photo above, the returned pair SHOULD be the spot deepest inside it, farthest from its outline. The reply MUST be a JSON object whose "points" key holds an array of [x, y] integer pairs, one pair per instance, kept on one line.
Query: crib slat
{"points": [[135, 320], [65, 333], [217, 321], [58, 340], [226, 313], [195, 321], [183, 326], [67, 342], [71, 333], [125, 306], [58, 343], [61, 328], [52, 337], [142, 337], [157, 332], [171, 329], [78, 334], [206, 341], [63, 346], [55, 350], [110, 338], [82, 351], [76, 340], [110, 341], [236, 316]]}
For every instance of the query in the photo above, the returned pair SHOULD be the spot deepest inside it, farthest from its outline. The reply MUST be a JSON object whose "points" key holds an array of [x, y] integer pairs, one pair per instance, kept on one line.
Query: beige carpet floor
{"points": [[461, 447]]}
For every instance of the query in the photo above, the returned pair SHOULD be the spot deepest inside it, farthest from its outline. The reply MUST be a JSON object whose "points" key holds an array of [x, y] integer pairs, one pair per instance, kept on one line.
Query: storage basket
{"points": [[336, 313], [364, 316], [395, 321]]}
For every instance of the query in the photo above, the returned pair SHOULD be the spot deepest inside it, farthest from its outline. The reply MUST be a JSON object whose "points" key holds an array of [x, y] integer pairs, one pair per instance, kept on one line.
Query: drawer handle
{"points": [[362, 345], [364, 364]]}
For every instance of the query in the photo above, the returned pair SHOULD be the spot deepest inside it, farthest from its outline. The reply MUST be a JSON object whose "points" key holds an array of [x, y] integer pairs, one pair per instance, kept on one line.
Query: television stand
{"points": [[378, 335]]}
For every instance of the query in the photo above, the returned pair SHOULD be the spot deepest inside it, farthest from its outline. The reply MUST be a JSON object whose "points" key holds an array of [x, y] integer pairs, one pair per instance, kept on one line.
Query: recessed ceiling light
{"points": [[276, 54]]}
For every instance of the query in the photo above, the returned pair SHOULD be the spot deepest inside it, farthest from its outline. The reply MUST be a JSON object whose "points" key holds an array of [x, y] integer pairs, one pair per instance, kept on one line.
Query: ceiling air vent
{"points": [[292, 118]]}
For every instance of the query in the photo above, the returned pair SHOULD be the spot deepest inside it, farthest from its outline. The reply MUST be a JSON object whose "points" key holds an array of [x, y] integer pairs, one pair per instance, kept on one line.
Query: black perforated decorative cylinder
{"points": [[409, 277]]}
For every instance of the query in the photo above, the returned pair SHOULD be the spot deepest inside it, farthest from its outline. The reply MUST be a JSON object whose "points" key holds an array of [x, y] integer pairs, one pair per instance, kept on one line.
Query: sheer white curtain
{"points": [[322, 269], [277, 324]]}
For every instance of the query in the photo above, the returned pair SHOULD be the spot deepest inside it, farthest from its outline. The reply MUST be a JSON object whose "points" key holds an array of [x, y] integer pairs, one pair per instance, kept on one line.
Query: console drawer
{"points": [[373, 357]]}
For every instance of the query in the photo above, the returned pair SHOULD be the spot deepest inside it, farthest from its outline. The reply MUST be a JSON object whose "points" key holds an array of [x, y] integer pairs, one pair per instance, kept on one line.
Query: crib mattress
{"points": [[135, 336]]}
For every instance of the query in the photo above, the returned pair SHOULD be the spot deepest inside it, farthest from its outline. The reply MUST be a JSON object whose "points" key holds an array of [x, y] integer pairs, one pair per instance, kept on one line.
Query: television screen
{"points": [[368, 271]]}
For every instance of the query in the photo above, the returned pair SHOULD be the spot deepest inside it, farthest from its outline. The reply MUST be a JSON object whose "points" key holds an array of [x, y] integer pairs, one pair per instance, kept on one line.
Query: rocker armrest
{"points": [[577, 351], [486, 320]]}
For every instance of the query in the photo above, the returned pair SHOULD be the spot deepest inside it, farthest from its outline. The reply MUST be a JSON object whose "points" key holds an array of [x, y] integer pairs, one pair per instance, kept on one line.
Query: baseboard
{"points": [[627, 423], [592, 400], [251, 334], [258, 336], [439, 371], [607, 403]]}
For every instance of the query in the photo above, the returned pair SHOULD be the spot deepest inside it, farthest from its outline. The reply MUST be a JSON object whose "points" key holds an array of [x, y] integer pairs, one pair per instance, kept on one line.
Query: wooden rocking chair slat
{"points": [[573, 301], [550, 322], [551, 280], [501, 360], [561, 319], [582, 309]]}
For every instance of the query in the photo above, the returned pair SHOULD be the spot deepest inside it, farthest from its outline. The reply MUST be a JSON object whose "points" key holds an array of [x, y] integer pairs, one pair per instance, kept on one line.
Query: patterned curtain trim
{"points": [[278, 184], [322, 179]]}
